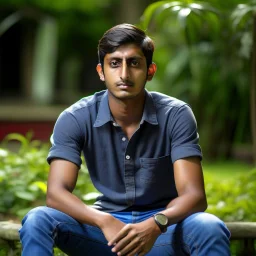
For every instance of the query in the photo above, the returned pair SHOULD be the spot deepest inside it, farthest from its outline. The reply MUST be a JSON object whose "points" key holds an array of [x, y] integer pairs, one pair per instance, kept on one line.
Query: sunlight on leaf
{"points": [[184, 12], [25, 195], [41, 185], [176, 8], [91, 196], [197, 6], [3, 152]]}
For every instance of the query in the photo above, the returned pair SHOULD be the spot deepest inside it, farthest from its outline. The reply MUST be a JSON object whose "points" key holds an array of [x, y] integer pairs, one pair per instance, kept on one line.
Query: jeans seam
{"points": [[190, 237]]}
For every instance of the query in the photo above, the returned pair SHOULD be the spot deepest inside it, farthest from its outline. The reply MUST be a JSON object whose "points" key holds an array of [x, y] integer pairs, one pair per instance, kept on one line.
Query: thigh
{"points": [[199, 234], [69, 235]]}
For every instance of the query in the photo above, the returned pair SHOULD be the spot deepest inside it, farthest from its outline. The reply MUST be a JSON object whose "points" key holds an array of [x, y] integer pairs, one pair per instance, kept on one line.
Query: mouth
{"points": [[124, 85]]}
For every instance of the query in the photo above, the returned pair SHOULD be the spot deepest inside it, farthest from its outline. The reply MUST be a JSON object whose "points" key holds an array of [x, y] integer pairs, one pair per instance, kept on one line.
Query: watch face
{"points": [[162, 219]]}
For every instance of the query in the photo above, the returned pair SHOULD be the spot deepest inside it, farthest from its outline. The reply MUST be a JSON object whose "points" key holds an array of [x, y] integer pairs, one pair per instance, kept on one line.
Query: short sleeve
{"points": [[184, 135], [67, 139]]}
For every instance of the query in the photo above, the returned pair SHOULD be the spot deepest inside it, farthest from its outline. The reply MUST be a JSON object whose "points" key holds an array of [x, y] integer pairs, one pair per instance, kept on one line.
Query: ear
{"points": [[100, 72], [151, 71]]}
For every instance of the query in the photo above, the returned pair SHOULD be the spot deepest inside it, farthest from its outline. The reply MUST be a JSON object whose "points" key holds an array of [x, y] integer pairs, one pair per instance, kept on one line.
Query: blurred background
{"points": [[204, 53], [206, 56]]}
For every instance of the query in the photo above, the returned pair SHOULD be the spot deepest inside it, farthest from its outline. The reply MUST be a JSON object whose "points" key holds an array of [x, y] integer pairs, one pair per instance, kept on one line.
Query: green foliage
{"points": [[202, 52], [23, 176], [86, 6], [232, 199]]}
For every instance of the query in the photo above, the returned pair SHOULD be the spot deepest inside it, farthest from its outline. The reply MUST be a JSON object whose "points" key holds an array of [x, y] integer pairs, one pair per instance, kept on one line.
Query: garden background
{"points": [[206, 56]]}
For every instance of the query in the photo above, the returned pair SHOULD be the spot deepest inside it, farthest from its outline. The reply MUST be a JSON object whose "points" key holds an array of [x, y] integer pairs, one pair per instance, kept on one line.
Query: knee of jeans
{"points": [[212, 226], [34, 219]]}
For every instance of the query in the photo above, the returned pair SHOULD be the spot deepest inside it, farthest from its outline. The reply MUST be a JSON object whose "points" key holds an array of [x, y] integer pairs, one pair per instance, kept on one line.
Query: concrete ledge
{"points": [[241, 230], [9, 231], [245, 232]]}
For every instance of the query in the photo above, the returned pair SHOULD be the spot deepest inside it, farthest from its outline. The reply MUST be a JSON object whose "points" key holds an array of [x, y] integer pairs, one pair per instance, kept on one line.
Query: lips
{"points": [[124, 84]]}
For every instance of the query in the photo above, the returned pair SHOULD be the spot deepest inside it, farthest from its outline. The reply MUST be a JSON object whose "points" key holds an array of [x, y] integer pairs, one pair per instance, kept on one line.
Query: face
{"points": [[125, 72]]}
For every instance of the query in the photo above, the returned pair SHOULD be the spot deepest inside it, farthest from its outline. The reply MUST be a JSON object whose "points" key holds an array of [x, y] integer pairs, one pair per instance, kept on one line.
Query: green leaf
{"points": [[155, 9], [25, 195], [39, 184], [91, 196]]}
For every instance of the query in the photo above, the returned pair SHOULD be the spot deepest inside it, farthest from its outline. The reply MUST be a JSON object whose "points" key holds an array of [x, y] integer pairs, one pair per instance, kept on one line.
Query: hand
{"points": [[111, 226], [135, 238]]}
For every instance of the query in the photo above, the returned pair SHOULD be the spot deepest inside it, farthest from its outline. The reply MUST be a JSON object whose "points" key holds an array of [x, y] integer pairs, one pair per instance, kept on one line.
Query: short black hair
{"points": [[124, 34]]}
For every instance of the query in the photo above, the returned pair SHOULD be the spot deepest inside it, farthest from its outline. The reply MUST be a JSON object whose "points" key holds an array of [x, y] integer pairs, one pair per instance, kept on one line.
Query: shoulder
{"points": [[163, 100], [167, 103], [85, 103]]}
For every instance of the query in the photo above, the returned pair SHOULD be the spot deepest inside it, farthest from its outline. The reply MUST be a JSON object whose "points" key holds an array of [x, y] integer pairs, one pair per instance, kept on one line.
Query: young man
{"points": [[142, 153]]}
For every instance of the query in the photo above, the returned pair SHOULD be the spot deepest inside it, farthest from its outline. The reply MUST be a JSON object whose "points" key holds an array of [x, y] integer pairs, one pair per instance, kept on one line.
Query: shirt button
{"points": [[127, 157], [115, 124], [123, 139]]}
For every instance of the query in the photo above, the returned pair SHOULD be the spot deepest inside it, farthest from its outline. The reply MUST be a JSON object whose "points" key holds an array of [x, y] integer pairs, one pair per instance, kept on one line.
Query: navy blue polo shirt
{"points": [[135, 174]]}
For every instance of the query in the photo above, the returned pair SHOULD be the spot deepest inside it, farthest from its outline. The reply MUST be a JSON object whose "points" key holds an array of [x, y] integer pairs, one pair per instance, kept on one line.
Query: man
{"points": [[142, 153]]}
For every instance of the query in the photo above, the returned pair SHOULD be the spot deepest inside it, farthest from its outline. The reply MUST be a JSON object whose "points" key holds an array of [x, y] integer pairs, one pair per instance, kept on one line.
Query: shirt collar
{"points": [[149, 112], [104, 114]]}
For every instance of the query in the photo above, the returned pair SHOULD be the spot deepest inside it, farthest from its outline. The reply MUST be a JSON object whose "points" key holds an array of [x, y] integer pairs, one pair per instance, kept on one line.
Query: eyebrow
{"points": [[116, 55], [126, 58]]}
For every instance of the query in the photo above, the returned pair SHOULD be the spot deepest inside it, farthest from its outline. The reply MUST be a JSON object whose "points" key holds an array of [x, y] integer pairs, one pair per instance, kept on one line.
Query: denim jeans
{"points": [[200, 234]]}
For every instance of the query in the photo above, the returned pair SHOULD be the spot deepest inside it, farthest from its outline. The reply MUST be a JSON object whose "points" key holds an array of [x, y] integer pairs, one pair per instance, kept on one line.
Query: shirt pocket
{"points": [[155, 170], [155, 180]]}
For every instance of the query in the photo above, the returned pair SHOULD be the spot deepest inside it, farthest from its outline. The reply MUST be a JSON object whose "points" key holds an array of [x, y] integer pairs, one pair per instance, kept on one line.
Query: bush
{"points": [[232, 199], [23, 176]]}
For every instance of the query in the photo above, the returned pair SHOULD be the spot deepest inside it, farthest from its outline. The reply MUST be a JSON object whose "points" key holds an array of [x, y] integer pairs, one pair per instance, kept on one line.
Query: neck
{"points": [[127, 112]]}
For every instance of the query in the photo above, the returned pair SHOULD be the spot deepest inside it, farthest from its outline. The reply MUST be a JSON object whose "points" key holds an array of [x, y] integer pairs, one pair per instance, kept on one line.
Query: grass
{"points": [[225, 170]]}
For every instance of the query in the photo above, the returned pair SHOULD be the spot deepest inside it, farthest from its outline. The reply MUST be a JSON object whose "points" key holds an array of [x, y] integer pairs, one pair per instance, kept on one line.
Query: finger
{"points": [[134, 252], [126, 248], [121, 246], [120, 235]]}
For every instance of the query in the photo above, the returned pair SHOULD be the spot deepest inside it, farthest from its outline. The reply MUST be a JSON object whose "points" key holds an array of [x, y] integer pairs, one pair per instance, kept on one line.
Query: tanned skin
{"points": [[125, 74]]}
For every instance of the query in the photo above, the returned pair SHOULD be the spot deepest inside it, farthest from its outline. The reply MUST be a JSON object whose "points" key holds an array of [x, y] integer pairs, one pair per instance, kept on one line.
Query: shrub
{"points": [[232, 199], [23, 176]]}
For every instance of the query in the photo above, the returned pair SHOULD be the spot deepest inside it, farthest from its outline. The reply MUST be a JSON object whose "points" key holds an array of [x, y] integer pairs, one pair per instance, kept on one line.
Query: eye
{"points": [[114, 63], [134, 63]]}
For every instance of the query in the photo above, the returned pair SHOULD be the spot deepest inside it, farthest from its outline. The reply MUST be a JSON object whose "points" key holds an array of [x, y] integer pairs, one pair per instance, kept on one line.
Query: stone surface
{"points": [[9, 230]]}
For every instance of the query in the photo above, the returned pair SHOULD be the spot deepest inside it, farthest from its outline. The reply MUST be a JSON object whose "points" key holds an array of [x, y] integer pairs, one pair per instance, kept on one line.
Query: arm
{"points": [[190, 187], [61, 183]]}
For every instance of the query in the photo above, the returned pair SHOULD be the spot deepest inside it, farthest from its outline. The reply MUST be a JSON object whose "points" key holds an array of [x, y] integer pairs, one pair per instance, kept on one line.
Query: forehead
{"points": [[126, 51]]}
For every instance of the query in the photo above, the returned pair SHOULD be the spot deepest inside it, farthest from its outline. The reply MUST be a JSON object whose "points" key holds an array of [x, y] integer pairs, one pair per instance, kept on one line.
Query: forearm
{"points": [[65, 201], [183, 206]]}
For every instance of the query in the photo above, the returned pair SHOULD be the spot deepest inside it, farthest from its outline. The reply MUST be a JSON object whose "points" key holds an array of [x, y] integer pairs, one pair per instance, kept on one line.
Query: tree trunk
{"points": [[253, 92]]}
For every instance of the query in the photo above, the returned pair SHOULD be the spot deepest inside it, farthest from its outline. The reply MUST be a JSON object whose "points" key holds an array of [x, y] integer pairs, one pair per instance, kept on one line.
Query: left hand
{"points": [[136, 238]]}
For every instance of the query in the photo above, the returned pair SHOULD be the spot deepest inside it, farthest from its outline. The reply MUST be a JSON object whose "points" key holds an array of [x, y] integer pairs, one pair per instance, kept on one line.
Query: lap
{"points": [[75, 238]]}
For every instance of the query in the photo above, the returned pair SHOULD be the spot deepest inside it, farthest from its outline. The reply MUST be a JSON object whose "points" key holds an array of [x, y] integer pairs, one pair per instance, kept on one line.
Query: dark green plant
{"points": [[204, 59]]}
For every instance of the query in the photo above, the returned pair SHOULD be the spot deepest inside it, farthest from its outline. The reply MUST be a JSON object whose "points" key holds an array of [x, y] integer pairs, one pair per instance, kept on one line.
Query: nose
{"points": [[124, 71]]}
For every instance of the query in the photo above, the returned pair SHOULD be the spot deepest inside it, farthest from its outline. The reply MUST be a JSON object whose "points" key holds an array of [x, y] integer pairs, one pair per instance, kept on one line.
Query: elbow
{"points": [[50, 200], [203, 204]]}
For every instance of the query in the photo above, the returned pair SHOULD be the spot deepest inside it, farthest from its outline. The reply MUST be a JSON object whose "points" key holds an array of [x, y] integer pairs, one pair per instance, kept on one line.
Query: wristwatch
{"points": [[161, 221]]}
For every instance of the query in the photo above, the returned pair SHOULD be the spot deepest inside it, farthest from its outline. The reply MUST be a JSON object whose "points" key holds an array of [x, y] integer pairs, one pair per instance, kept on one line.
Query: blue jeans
{"points": [[200, 234]]}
